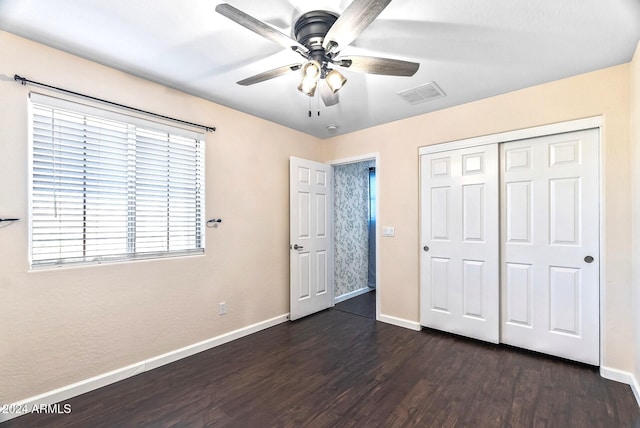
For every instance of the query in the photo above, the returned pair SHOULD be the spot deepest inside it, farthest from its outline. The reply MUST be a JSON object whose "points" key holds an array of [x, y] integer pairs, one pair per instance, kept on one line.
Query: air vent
{"points": [[423, 93]]}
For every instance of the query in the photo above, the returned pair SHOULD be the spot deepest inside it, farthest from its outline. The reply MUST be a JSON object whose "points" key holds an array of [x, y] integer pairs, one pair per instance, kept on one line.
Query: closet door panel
{"points": [[550, 204], [459, 262]]}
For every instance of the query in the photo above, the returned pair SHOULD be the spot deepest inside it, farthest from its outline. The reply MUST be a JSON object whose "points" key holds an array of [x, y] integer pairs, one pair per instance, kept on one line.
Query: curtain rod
{"points": [[24, 82]]}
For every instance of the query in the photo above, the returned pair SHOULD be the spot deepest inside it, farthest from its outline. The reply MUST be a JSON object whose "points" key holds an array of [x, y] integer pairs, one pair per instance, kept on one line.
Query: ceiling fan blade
{"points": [[329, 98], [375, 65], [356, 17], [276, 72], [259, 27]]}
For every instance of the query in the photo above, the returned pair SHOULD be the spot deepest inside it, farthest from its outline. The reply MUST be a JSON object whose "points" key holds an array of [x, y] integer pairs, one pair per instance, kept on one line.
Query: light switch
{"points": [[388, 231]]}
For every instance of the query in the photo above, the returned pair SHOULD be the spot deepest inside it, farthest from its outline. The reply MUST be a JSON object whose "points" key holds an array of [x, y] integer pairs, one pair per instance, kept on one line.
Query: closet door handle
{"points": [[425, 248], [588, 259]]}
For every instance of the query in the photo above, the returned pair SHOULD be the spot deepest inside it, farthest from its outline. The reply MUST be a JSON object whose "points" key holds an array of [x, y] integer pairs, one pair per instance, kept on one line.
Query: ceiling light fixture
{"points": [[311, 72], [308, 87], [335, 80]]}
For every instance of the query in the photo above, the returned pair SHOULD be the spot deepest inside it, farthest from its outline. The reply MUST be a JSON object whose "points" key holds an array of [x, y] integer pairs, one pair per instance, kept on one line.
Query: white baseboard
{"points": [[400, 322], [635, 387], [352, 294], [66, 392], [187, 351], [622, 377], [615, 374]]}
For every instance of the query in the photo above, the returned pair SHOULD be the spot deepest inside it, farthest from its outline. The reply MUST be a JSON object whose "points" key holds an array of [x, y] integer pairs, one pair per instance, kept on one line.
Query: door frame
{"points": [[345, 161], [541, 131]]}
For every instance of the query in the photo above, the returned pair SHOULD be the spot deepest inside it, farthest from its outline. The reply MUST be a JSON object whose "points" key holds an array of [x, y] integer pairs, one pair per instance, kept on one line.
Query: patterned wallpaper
{"points": [[351, 220]]}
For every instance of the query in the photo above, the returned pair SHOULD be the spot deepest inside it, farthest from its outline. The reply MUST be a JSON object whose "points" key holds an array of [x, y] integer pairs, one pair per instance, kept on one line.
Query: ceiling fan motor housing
{"points": [[310, 30]]}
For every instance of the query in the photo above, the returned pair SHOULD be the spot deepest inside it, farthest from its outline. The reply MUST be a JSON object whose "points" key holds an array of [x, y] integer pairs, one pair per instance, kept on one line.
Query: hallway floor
{"points": [[363, 305]]}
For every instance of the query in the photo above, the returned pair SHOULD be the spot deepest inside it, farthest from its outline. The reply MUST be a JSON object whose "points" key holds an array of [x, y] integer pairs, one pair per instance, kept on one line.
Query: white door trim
{"points": [[520, 134], [540, 131], [355, 159]]}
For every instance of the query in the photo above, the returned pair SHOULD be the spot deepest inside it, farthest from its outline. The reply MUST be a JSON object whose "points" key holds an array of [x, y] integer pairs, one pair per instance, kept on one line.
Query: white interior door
{"points": [[550, 268], [311, 247], [459, 286]]}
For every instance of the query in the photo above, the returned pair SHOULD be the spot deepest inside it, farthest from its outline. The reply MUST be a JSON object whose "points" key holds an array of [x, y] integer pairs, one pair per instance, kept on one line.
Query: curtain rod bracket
{"points": [[9, 220], [23, 81]]}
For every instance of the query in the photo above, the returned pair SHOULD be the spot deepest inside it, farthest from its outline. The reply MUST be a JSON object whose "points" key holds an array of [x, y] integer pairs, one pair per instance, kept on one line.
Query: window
{"points": [[107, 186]]}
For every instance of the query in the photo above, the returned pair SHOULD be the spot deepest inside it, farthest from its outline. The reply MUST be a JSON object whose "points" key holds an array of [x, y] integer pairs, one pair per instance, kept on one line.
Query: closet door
{"points": [[550, 269], [459, 259]]}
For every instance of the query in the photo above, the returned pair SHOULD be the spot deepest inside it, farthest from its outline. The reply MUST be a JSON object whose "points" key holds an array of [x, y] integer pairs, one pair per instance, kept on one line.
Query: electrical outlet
{"points": [[222, 308]]}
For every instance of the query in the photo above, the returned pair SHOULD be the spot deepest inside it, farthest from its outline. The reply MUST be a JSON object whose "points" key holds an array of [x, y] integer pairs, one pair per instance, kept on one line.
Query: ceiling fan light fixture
{"points": [[311, 70], [335, 80], [308, 86]]}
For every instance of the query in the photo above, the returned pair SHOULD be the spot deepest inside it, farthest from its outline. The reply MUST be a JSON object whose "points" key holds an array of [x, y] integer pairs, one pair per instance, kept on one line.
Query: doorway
{"points": [[312, 235], [355, 227]]}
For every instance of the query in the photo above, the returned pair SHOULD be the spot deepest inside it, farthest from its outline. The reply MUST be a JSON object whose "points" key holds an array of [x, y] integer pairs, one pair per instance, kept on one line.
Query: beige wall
{"points": [[65, 325], [604, 92], [635, 128]]}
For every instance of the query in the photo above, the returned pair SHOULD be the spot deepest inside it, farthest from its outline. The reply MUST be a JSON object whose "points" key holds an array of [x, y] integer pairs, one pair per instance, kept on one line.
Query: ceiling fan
{"points": [[320, 35]]}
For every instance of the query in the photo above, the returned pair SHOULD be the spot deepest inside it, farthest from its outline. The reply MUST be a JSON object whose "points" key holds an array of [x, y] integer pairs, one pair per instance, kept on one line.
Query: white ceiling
{"points": [[471, 48]]}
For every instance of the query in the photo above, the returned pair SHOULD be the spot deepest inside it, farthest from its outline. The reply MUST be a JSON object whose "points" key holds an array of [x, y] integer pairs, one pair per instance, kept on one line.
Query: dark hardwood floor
{"points": [[363, 305], [338, 369]]}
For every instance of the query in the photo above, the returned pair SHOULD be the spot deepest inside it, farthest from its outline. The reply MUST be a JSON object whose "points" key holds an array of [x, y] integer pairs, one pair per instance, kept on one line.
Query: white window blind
{"points": [[107, 186]]}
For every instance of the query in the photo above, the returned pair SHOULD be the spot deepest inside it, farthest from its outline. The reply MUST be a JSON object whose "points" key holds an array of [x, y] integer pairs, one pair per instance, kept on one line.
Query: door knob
{"points": [[425, 248], [297, 247], [588, 259]]}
